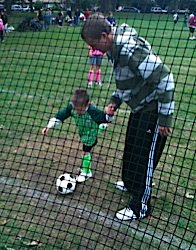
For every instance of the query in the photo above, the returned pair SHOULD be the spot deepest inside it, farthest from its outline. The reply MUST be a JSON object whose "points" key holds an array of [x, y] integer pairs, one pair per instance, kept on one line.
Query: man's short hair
{"points": [[94, 26]]}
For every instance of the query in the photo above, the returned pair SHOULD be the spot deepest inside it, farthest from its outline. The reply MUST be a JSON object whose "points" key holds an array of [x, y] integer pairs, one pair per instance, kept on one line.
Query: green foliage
{"points": [[38, 5]]}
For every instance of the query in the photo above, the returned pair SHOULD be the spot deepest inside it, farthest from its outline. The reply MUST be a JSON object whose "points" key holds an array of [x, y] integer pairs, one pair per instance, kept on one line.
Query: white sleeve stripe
{"points": [[166, 108], [150, 63], [166, 84], [53, 122]]}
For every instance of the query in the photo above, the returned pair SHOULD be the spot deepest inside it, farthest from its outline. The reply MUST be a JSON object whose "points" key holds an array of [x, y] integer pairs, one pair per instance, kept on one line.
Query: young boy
{"points": [[89, 121], [146, 85]]}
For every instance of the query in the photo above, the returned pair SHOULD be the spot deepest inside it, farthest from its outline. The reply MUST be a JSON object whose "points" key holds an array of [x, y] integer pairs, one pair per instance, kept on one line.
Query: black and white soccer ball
{"points": [[66, 184]]}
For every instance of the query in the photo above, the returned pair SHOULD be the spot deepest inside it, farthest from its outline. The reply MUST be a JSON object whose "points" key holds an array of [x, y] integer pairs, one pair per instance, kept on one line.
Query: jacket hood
{"points": [[124, 34]]}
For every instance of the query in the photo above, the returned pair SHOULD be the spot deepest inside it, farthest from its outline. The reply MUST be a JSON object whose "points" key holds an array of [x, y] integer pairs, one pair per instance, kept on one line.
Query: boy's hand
{"points": [[165, 131], [110, 109], [45, 131]]}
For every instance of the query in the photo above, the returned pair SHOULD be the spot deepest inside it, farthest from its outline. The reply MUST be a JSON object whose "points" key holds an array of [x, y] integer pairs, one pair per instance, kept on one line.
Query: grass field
{"points": [[39, 71]]}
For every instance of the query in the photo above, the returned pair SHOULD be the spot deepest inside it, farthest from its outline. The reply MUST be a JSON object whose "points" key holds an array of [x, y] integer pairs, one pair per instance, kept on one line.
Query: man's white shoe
{"points": [[126, 214], [120, 185], [83, 176]]}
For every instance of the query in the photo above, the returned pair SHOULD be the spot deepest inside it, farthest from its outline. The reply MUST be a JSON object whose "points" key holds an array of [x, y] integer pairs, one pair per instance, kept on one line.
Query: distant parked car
{"points": [[130, 9], [119, 9], [158, 10], [26, 8], [183, 11], [16, 7]]}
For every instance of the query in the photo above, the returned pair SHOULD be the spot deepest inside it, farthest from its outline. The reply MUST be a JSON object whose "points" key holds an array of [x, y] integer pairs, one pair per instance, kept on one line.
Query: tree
{"points": [[104, 6], [7, 5], [31, 5]]}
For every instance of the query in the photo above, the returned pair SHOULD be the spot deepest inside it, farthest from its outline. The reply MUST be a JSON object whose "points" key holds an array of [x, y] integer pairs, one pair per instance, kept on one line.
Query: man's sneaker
{"points": [[126, 214], [120, 185], [90, 84], [83, 176], [192, 38]]}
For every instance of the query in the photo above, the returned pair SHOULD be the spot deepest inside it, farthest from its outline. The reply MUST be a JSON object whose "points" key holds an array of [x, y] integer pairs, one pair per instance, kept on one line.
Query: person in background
{"points": [[40, 16], [4, 18], [175, 18], [60, 19], [89, 121], [47, 19], [87, 13], [77, 17], [185, 19], [146, 85], [111, 18], [95, 61], [192, 26], [69, 13], [2, 27]]}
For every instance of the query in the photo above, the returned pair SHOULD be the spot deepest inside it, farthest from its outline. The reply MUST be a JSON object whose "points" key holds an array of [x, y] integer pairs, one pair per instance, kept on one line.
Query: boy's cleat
{"points": [[126, 214], [120, 185], [83, 176]]}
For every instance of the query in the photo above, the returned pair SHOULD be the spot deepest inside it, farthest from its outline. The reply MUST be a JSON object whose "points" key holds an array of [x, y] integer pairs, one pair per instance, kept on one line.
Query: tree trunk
{"points": [[7, 5], [31, 5], [104, 6]]}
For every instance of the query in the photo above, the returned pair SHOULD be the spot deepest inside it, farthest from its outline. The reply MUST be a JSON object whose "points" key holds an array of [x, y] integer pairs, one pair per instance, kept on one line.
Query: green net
{"points": [[41, 66]]}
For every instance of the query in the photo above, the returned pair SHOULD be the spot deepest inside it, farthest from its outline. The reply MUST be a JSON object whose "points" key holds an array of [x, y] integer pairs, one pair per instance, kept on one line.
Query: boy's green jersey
{"points": [[87, 123]]}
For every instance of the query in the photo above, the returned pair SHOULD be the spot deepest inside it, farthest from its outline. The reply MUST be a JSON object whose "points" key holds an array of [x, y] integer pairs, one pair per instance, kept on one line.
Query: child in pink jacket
{"points": [[1, 30], [95, 60]]}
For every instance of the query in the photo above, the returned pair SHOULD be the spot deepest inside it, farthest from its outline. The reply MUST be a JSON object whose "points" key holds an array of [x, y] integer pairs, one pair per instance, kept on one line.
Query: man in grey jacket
{"points": [[146, 85]]}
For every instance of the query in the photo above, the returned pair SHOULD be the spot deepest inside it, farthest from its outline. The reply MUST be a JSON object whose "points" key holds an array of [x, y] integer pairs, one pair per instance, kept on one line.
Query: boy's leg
{"points": [[98, 69], [141, 156], [91, 72], [86, 163], [86, 171], [98, 75]]}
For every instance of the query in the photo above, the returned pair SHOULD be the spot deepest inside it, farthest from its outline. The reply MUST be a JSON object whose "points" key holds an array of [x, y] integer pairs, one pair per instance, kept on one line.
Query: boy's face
{"points": [[104, 44]]}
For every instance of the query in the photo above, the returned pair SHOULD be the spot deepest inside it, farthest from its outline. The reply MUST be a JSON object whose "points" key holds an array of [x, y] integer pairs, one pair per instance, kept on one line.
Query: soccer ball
{"points": [[66, 184]]}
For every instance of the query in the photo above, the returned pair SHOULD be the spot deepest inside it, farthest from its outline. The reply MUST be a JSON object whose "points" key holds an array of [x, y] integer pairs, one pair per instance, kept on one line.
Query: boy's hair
{"points": [[80, 98], [94, 26]]}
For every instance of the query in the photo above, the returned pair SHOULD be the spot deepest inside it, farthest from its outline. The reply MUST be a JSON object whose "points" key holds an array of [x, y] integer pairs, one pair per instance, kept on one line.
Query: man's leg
{"points": [[139, 161]]}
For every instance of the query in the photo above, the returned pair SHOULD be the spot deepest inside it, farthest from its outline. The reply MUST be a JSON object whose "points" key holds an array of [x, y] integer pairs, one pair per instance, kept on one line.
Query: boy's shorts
{"points": [[95, 60], [88, 148]]}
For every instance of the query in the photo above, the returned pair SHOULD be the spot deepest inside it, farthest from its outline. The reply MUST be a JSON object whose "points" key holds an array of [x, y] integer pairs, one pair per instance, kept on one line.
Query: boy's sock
{"points": [[90, 75], [86, 163], [98, 75]]}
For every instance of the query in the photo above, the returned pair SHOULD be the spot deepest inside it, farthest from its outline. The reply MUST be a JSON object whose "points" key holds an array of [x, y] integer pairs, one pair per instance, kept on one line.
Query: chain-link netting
{"points": [[42, 64]]}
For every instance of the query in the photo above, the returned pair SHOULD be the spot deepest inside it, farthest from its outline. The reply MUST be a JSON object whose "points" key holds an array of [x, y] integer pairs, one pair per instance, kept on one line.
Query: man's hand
{"points": [[110, 109], [45, 131], [165, 131]]}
